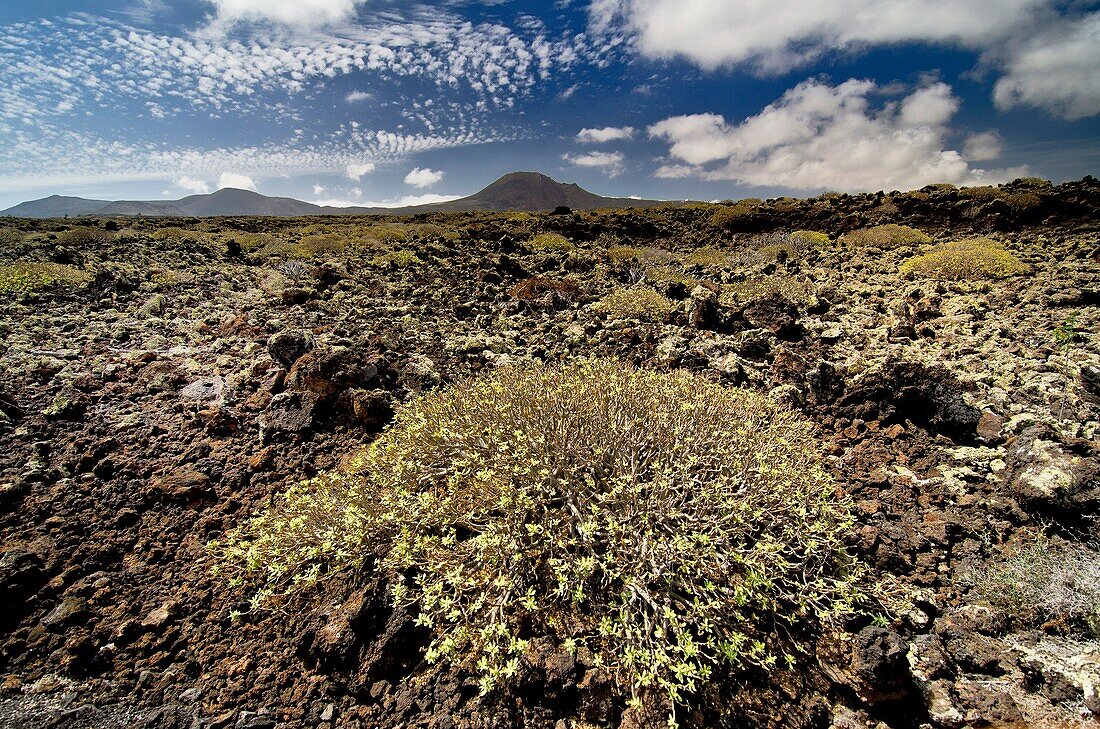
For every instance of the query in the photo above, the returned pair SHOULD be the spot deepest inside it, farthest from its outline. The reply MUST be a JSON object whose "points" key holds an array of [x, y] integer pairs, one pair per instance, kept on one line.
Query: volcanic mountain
{"points": [[522, 191]]}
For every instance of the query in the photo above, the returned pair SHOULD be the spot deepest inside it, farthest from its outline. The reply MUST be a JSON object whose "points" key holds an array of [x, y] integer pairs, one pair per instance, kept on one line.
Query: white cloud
{"points": [[610, 162], [425, 177], [819, 136], [357, 96], [606, 134], [1057, 69], [356, 192], [236, 180], [192, 185], [295, 13], [356, 170], [318, 189], [400, 202], [983, 146]]}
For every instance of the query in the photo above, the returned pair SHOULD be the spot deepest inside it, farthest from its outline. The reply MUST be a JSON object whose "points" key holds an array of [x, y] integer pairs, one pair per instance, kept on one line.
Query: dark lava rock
{"points": [[286, 347], [21, 575], [327, 372], [289, 412], [776, 314]]}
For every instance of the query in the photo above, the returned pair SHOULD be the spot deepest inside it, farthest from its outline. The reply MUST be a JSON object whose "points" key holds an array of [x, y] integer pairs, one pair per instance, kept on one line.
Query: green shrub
{"points": [[24, 277], [664, 522], [402, 258], [728, 215], [669, 274], [977, 258], [708, 258], [322, 243], [549, 243], [811, 238], [741, 293], [85, 237], [636, 302], [982, 192], [10, 237], [250, 242], [886, 236]]}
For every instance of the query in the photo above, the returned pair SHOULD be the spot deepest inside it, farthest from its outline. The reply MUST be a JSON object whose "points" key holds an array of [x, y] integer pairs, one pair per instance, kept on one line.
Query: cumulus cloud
{"points": [[983, 146], [192, 185], [357, 96], [1058, 70], [610, 162], [1045, 48], [236, 180], [318, 189], [294, 13], [605, 134], [356, 170], [423, 177], [821, 136]]}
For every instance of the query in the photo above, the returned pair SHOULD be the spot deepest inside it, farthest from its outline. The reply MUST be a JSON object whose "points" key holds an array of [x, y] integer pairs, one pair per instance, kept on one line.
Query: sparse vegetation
{"points": [[401, 258], [10, 236], [636, 302], [740, 293], [695, 527], [976, 258], [550, 243], [886, 236], [728, 215], [25, 277], [85, 237], [536, 287], [708, 258]]}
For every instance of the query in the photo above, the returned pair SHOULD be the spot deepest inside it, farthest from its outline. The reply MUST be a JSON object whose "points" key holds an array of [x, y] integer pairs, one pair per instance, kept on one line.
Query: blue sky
{"points": [[392, 101]]}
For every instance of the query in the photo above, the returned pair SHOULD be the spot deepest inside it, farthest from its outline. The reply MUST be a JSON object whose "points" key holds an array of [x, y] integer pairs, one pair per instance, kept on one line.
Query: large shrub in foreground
{"points": [[976, 258], [663, 521]]}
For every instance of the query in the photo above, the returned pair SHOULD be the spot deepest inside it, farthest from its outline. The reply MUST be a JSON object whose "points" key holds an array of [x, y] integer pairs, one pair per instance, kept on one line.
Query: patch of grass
{"points": [[549, 243], [976, 258], [25, 277], [708, 258], [696, 526], [636, 302], [886, 236]]}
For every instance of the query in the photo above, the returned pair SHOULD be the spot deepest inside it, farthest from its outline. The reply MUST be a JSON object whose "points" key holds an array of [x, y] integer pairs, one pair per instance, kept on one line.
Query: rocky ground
{"points": [[208, 365]]}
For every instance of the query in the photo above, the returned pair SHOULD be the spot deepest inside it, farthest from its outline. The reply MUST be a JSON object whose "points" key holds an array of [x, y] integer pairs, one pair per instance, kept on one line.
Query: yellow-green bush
{"points": [[24, 276], [549, 243], [402, 258], [976, 258], [85, 237], [322, 243], [708, 258], [10, 236], [886, 236], [811, 238], [729, 214], [662, 521], [740, 293], [636, 302], [669, 274]]}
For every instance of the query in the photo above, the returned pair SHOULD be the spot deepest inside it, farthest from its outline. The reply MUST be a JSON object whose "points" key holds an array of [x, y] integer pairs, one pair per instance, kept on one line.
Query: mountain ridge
{"points": [[515, 191]]}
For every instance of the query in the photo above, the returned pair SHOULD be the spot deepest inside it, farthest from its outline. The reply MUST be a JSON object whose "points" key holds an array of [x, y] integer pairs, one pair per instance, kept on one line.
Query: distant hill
{"points": [[55, 206], [522, 191]]}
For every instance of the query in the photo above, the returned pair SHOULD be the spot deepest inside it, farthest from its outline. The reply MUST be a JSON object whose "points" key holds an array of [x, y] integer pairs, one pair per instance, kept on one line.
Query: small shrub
{"points": [[536, 287], [977, 258], [402, 258], [886, 236], [981, 193], [1030, 182], [708, 258], [10, 237], [669, 275], [1044, 582], [24, 277], [549, 243], [323, 243], [636, 302], [648, 256], [85, 237], [1022, 201], [811, 238], [728, 215], [741, 293], [666, 523], [250, 242]]}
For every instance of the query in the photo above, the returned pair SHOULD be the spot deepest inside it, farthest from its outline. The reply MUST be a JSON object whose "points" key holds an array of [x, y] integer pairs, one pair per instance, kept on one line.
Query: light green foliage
{"points": [[10, 236], [669, 274], [1044, 581], [252, 241], [740, 293], [811, 238], [661, 520], [976, 258], [549, 243], [886, 236], [727, 215], [323, 243], [24, 277], [636, 302], [402, 258], [85, 237]]}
